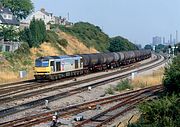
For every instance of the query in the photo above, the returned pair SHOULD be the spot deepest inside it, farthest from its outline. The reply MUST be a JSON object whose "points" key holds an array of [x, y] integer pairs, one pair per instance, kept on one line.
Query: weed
{"points": [[123, 85], [109, 90]]}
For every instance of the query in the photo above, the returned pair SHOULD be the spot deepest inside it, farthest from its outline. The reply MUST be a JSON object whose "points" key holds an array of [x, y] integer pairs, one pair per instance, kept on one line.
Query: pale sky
{"points": [[137, 20]]}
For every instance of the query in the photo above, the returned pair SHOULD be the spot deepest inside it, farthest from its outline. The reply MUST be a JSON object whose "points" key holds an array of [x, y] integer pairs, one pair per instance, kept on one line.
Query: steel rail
{"points": [[32, 120], [41, 101]]}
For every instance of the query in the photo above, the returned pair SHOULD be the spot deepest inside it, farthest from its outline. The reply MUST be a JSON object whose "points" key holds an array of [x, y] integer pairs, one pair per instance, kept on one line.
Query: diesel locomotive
{"points": [[57, 67]]}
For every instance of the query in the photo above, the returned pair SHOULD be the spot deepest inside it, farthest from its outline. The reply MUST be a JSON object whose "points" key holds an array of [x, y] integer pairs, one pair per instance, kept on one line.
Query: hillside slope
{"points": [[89, 34], [15, 62], [74, 45], [80, 38]]}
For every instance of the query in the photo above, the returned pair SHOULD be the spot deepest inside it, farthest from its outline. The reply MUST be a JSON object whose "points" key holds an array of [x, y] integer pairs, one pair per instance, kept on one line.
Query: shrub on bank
{"points": [[123, 85]]}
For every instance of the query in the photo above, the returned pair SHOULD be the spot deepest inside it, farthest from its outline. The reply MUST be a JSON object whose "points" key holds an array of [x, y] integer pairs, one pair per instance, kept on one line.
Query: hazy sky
{"points": [[137, 20]]}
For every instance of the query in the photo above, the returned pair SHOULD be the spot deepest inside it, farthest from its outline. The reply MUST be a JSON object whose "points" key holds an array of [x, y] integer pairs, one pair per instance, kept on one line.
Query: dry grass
{"points": [[45, 49], [149, 79], [9, 76], [75, 46]]}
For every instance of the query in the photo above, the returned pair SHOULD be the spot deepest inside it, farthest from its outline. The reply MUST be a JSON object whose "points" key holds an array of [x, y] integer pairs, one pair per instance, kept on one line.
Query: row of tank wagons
{"points": [[63, 66], [114, 59]]}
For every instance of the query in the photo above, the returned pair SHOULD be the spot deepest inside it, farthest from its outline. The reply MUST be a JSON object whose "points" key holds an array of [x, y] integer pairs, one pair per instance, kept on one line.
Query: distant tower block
{"points": [[164, 40], [176, 36], [171, 39]]}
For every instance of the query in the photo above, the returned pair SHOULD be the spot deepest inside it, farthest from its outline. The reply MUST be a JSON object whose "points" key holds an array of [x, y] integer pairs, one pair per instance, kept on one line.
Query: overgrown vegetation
{"points": [[165, 111], [123, 85], [93, 36], [172, 76], [54, 38], [118, 44], [20, 59], [89, 34]]}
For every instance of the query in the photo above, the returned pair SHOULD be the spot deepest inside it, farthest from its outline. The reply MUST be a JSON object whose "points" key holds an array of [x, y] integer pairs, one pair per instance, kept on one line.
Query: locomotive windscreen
{"points": [[41, 63]]}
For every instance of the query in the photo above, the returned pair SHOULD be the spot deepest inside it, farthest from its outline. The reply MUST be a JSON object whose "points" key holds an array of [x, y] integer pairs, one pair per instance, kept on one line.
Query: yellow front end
{"points": [[42, 70], [41, 73]]}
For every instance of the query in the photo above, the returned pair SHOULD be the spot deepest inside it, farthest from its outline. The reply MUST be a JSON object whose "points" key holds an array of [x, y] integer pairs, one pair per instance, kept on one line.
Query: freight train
{"points": [[57, 67]]}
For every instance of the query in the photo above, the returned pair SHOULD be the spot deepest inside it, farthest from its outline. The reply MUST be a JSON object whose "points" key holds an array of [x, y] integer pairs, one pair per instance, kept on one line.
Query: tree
{"points": [[20, 8], [121, 44], [35, 34], [171, 79], [164, 112], [148, 47], [9, 33]]}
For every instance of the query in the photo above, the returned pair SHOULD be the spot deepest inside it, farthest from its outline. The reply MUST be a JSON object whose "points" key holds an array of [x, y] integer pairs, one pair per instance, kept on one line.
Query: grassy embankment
{"points": [[23, 59], [140, 81]]}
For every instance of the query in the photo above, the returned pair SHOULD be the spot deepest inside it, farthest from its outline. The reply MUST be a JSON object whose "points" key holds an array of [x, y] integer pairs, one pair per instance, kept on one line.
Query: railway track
{"points": [[122, 99], [117, 110], [32, 104], [7, 93], [13, 88]]}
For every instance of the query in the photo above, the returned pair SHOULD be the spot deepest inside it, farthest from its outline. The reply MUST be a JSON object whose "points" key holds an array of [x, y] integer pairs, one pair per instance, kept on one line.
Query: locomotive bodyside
{"points": [[57, 66]]}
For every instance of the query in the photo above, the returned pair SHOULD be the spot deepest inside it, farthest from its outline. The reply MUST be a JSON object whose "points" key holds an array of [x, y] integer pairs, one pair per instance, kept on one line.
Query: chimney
{"points": [[42, 10]]}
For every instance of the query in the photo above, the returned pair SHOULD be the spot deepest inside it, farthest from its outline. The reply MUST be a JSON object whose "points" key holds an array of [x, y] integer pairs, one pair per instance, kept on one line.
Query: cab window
{"points": [[41, 63]]}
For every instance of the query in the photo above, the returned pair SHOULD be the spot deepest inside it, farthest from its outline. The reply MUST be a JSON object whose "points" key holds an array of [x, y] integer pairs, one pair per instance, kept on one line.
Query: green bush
{"points": [[19, 57], [171, 79], [123, 85], [8, 56], [164, 112], [63, 42], [109, 90]]}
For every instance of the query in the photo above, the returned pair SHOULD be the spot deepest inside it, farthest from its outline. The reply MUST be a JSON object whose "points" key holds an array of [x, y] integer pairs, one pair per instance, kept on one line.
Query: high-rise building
{"points": [[164, 40], [156, 40], [171, 40]]}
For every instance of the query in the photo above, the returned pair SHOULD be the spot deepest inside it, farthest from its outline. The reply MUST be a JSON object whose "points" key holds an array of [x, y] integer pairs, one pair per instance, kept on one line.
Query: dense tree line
{"points": [[93, 36], [121, 44], [35, 34], [148, 47]]}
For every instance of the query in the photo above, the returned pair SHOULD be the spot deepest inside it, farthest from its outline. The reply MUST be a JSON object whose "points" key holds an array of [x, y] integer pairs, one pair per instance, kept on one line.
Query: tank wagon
{"points": [[56, 67]]}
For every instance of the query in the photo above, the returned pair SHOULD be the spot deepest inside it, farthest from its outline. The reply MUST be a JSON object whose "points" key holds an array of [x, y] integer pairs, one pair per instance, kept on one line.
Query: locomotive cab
{"points": [[42, 68]]}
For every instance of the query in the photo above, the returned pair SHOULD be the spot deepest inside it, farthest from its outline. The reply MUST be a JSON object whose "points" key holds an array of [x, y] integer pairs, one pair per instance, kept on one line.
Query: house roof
{"points": [[45, 12], [12, 21], [5, 10]]}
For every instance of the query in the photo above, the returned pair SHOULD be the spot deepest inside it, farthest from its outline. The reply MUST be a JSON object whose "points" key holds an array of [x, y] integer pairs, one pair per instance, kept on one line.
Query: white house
{"points": [[41, 14], [46, 17]]}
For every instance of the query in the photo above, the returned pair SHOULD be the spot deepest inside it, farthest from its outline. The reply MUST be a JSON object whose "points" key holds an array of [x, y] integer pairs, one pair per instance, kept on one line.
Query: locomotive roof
{"points": [[58, 57]]}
